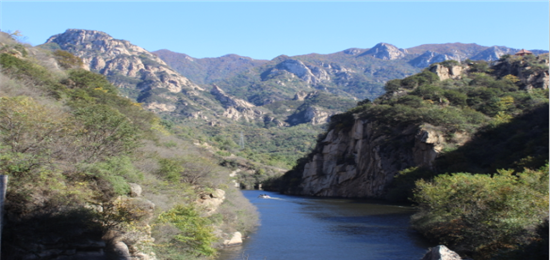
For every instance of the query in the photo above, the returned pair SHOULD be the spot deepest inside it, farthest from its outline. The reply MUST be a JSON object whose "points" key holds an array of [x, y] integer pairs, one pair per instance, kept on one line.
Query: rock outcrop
{"points": [[314, 115], [445, 72], [310, 74], [210, 202], [441, 252], [385, 51], [236, 239], [102, 53], [362, 161], [526, 72], [237, 109], [429, 57]]}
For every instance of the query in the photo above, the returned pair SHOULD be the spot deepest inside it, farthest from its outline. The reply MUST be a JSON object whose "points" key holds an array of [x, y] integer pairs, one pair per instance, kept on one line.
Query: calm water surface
{"points": [[304, 228]]}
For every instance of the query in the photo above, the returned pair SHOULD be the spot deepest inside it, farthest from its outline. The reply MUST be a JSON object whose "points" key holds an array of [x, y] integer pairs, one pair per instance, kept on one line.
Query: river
{"points": [[304, 228]]}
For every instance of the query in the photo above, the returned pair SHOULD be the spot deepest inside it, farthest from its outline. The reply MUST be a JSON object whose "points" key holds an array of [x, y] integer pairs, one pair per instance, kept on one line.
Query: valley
{"points": [[128, 146]]}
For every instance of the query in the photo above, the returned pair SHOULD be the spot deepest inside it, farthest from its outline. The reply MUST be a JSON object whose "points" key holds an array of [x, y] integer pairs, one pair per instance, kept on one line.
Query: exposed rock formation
{"points": [[212, 201], [441, 252], [135, 190], [101, 52], [428, 58], [160, 107], [301, 95], [228, 101], [236, 239], [493, 53], [236, 108], [444, 72], [310, 74], [385, 51], [362, 162], [529, 76]]}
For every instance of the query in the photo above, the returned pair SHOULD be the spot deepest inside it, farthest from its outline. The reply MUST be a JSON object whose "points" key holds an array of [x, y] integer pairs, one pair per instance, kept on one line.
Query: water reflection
{"points": [[312, 228]]}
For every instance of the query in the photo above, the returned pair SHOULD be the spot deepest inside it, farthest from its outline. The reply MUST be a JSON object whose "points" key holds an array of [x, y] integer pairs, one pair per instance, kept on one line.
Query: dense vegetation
{"points": [[487, 197], [73, 149]]}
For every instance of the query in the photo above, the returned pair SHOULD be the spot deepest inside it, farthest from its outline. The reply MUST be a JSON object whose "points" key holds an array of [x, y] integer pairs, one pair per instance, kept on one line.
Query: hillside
{"points": [[207, 70], [433, 133], [93, 175]]}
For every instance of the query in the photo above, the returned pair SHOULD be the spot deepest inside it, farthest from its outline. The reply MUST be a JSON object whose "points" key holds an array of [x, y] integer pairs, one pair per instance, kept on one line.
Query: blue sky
{"points": [[266, 29]]}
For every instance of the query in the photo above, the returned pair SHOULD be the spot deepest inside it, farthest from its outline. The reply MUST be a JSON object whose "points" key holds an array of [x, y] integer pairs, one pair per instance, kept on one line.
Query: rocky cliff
{"points": [[362, 162]]}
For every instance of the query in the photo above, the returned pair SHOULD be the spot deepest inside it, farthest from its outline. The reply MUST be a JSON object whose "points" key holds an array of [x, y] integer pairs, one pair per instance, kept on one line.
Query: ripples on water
{"points": [[304, 228]]}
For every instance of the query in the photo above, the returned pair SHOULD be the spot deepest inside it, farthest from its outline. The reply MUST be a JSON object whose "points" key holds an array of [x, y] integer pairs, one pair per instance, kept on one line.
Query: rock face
{"points": [[212, 201], [310, 74], [236, 239], [385, 51], [444, 72], [441, 252], [428, 58], [362, 162], [109, 56], [316, 116], [237, 109], [311, 114], [526, 73], [493, 53]]}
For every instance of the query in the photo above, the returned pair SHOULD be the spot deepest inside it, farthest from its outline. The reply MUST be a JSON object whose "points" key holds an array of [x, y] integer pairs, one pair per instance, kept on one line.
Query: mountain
{"points": [[207, 70], [353, 73], [138, 73], [271, 90], [145, 77], [421, 120]]}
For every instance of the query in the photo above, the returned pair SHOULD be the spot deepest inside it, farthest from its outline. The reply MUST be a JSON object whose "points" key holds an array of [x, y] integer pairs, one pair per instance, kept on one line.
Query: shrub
{"points": [[195, 232], [171, 169], [23, 69], [105, 132], [480, 214], [430, 92], [81, 78], [392, 85], [67, 60]]}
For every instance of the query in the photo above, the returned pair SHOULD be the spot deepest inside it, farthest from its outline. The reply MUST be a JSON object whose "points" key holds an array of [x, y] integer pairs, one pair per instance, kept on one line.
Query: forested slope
{"points": [[93, 174]]}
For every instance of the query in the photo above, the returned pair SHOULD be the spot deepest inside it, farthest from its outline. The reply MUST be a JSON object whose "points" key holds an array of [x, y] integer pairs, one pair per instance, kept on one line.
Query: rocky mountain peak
{"points": [[385, 51], [83, 43], [111, 57]]}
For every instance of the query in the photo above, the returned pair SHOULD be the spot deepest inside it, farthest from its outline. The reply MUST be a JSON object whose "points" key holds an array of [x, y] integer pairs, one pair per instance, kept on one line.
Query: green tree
{"points": [[195, 232], [481, 214]]}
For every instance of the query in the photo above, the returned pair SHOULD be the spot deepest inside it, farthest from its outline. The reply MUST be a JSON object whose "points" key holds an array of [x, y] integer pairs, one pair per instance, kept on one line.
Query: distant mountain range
{"points": [[180, 85]]}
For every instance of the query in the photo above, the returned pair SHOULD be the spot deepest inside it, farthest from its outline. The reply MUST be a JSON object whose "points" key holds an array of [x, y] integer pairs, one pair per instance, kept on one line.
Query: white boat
{"points": [[264, 196]]}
